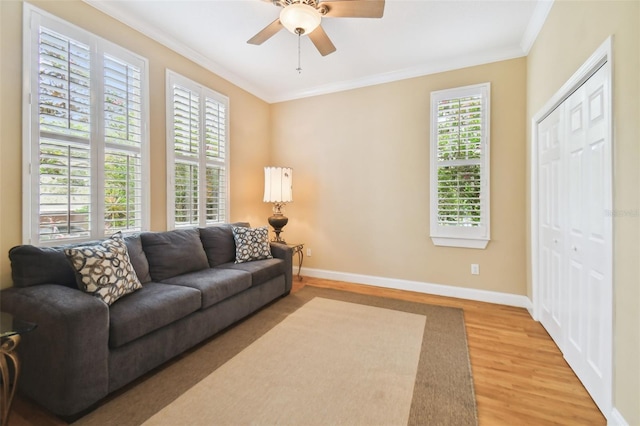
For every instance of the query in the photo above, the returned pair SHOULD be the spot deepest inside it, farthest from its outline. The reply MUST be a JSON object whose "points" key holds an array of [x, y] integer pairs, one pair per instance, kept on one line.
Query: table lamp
{"points": [[278, 190]]}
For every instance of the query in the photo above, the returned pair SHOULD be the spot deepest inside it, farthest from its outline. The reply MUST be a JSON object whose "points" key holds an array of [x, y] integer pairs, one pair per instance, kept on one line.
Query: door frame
{"points": [[601, 56]]}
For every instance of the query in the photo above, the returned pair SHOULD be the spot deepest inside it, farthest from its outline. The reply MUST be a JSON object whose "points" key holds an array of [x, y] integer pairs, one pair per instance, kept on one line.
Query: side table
{"points": [[297, 249], [10, 330]]}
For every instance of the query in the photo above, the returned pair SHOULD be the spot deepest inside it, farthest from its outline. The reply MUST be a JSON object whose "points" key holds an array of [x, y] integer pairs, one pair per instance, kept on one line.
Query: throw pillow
{"points": [[251, 243], [104, 269], [218, 242]]}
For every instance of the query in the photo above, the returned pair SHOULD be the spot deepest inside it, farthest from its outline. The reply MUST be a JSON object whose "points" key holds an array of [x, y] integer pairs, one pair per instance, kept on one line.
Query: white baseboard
{"points": [[616, 419], [420, 287]]}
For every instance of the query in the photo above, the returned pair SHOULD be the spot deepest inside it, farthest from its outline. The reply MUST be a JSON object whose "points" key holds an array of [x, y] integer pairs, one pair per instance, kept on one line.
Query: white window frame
{"points": [[476, 237], [173, 78], [33, 19]]}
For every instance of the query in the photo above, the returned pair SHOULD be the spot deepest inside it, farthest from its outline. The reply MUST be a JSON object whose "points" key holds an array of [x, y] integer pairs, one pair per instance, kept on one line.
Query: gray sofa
{"points": [[83, 349]]}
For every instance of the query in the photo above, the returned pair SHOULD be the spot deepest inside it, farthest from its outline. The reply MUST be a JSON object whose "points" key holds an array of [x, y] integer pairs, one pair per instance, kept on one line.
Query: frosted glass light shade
{"points": [[300, 15], [278, 183]]}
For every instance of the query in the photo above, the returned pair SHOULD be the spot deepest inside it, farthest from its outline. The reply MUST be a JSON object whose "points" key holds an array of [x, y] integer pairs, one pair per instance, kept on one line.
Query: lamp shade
{"points": [[300, 15], [278, 183]]}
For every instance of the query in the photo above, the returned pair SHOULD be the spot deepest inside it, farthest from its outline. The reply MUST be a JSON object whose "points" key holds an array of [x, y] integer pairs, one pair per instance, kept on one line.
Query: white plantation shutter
{"points": [[216, 194], [86, 134], [123, 146], [186, 194], [460, 166], [123, 191], [186, 118], [459, 161], [64, 130], [196, 155], [64, 190], [64, 85], [215, 159], [186, 146], [122, 103]]}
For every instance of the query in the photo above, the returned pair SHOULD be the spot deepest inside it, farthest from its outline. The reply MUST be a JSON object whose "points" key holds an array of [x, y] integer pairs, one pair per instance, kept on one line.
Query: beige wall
{"points": [[572, 32], [249, 119], [4, 46], [361, 160], [361, 180]]}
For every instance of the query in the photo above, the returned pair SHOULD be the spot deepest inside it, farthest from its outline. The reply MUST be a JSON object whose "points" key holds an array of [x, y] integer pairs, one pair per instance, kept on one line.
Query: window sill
{"points": [[460, 242]]}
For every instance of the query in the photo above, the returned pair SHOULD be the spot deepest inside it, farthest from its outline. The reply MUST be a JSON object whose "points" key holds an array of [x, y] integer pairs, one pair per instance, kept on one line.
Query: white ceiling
{"points": [[413, 38]]}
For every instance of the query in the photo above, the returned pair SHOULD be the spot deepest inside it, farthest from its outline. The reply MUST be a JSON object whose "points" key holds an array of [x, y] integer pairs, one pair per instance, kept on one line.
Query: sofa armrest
{"points": [[284, 252], [64, 361]]}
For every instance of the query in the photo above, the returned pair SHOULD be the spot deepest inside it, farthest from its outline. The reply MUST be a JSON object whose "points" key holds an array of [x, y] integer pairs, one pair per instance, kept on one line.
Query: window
{"points": [[85, 138], [460, 166], [197, 160]]}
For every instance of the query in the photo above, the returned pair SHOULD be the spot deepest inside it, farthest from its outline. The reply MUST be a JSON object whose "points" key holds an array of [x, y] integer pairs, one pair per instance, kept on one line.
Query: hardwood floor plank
{"points": [[520, 376]]}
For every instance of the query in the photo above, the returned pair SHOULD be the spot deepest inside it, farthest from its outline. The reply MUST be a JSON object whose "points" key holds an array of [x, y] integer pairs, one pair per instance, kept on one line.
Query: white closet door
{"points": [[575, 233], [551, 224], [589, 302]]}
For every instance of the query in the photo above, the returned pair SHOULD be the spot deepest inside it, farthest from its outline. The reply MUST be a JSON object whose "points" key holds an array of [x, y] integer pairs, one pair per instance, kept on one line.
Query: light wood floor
{"points": [[520, 376]]}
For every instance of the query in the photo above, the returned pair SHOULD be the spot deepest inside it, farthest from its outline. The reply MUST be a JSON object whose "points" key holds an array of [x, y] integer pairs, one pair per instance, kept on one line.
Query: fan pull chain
{"points": [[299, 69]]}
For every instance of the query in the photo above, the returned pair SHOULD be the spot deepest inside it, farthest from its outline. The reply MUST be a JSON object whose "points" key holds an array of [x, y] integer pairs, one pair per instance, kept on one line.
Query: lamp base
{"points": [[278, 221]]}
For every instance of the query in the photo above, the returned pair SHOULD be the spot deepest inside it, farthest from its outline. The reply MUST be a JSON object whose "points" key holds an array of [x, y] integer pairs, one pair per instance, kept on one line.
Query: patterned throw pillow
{"points": [[251, 243], [104, 269]]}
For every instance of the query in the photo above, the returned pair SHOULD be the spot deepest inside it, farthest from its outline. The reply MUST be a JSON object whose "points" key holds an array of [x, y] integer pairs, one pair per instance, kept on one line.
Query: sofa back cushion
{"points": [[138, 257], [173, 253], [219, 244], [31, 265]]}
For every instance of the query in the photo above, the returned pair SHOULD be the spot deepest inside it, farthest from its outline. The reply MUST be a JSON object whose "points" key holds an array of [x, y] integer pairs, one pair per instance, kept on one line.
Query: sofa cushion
{"points": [[31, 265], [104, 269], [218, 242], [251, 243], [150, 308], [173, 253], [214, 284], [54, 268], [261, 270], [137, 257]]}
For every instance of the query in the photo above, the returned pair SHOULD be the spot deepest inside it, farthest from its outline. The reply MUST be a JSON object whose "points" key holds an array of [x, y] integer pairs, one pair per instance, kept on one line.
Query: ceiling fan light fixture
{"points": [[300, 16]]}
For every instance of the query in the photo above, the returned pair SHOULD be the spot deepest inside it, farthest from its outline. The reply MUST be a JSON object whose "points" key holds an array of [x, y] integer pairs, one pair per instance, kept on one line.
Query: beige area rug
{"points": [[319, 356], [343, 363]]}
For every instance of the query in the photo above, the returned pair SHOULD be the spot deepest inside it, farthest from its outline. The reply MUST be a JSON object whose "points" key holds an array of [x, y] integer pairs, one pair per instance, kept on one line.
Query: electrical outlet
{"points": [[309, 252], [475, 269]]}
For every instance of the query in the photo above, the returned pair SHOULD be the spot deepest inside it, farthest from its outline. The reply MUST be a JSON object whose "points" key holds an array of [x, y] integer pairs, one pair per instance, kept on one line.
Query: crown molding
{"points": [[442, 65], [538, 18], [158, 36]]}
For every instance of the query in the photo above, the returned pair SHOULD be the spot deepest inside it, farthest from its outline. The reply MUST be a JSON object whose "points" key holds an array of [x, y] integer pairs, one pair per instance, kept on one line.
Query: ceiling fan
{"points": [[303, 17]]}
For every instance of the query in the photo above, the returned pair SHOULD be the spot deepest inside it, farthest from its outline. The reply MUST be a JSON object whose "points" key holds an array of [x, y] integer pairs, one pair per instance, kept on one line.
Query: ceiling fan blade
{"points": [[321, 41], [353, 8], [266, 33]]}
